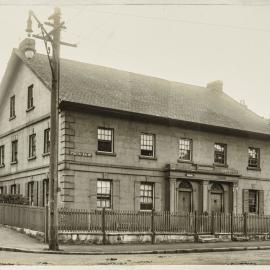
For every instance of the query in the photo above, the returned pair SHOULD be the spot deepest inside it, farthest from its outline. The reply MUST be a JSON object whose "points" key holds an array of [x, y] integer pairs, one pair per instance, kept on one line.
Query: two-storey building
{"points": [[131, 142]]}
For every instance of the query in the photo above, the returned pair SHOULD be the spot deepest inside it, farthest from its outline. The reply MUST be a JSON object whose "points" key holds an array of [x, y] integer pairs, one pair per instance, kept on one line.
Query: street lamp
{"points": [[53, 37]]}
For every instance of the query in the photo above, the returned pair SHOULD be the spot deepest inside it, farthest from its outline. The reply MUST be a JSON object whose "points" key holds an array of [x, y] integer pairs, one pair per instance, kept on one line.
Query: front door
{"points": [[184, 201], [216, 202]]}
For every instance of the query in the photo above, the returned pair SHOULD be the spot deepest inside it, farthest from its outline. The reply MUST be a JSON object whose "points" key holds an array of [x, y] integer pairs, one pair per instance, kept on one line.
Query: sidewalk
{"points": [[11, 240]]}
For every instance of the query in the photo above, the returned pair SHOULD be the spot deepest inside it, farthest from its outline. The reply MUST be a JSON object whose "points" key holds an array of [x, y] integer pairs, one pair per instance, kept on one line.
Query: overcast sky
{"points": [[190, 44]]}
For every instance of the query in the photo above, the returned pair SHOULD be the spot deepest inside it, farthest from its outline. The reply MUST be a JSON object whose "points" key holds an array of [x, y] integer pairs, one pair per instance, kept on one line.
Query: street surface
{"points": [[260, 257]]}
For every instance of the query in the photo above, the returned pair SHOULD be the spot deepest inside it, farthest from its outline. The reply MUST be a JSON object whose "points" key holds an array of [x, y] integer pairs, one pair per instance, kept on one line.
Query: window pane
{"points": [[185, 149], [32, 145], [14, 146], [105, 146], [12, 106], [47, 140], [147, 145], [253, 201], [253, 157], [146, 196], [2, 155], [30, 97], [220, 153], [105, 140], [104, 193]]}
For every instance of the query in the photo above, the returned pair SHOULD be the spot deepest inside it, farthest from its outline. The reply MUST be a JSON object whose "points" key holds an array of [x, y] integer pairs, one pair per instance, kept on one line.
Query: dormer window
{"points": [[12, 114], [30, 99]]}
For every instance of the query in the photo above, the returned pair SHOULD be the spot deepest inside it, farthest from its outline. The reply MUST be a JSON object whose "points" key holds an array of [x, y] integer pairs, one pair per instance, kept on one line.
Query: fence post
{"points": [[245, 224], [196, 239], [103, 226], [213, 223], [231, 225], [46, 223], [153, 225]]}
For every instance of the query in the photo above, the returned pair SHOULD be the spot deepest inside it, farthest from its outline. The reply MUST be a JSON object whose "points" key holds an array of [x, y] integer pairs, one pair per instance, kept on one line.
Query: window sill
{"points": [[184, 161], [147, 157], [30, 109], [220, 165], [45, 154], [106, 153], [254, 168], [2, 165], [32, 158], [12, 117], [106, 208], [13, 162]]}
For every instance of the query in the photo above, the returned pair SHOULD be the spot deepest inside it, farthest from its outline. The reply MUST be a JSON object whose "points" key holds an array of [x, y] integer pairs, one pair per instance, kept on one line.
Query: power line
{"points": [[183, 21], [137, 3]]}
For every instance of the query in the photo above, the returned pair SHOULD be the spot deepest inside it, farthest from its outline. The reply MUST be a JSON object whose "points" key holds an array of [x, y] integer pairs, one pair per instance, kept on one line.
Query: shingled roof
{"points": [[110, 88]]}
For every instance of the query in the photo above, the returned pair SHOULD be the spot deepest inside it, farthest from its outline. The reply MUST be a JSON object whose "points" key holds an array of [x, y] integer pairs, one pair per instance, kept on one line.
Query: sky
{"points": [[192, 44]]}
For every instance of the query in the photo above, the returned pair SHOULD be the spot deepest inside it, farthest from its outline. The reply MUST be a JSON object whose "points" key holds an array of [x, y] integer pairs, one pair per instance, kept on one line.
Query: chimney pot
{"points": [[216, 86]]}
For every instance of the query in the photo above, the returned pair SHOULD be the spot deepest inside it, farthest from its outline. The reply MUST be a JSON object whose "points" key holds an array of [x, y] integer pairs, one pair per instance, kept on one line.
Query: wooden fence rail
{"points": [[162, 222], [106, 221], [23, 216]]}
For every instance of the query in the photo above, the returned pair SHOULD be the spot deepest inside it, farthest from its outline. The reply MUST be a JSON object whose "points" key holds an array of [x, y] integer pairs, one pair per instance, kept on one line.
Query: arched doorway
{"points": [[185, 197], [217, 197]]}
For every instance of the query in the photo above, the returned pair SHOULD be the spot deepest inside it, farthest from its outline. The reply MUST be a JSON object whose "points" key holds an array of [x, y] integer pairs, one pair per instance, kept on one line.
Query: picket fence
{"points": [[159, 222], [107, 221], [23, 216]]}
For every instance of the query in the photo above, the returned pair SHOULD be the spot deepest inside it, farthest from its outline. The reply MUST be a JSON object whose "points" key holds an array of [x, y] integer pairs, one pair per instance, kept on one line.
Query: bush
{"points": [[13, 199]]}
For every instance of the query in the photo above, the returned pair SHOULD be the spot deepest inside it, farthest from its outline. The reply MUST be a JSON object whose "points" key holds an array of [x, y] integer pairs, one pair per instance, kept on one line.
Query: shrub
{"points": [[13, 199]]}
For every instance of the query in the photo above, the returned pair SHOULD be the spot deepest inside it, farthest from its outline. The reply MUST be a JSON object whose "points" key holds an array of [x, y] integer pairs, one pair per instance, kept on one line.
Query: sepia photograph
{"points": [[134, 133]]}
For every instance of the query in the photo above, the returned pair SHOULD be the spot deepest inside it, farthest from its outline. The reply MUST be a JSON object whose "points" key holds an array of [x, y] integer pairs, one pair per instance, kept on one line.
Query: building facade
{"points": [[131, 142]]}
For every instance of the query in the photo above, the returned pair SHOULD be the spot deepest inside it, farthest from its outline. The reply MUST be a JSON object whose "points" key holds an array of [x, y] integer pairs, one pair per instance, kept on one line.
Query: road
{"points": [[260, 257]]}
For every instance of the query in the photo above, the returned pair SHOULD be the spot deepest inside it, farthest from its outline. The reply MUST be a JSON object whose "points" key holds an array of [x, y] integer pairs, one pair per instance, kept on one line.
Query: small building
{"points": [[131, 142]]}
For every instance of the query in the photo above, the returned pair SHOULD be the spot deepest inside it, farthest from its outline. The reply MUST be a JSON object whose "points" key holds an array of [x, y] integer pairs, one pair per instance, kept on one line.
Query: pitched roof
{"points": [[110, 88]]}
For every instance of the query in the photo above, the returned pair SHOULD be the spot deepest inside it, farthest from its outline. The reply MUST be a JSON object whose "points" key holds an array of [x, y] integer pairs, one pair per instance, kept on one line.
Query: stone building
{"points": [[131, 142]]}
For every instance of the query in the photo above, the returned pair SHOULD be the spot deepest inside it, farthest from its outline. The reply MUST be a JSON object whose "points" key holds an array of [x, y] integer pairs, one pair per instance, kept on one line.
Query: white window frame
{"points": [[104, 196], [144, 144], [182, 149], [144, 196]]}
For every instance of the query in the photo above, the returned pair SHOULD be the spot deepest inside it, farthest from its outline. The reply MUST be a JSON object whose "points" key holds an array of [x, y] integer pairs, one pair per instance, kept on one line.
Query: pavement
{"points": [[11, 240]]}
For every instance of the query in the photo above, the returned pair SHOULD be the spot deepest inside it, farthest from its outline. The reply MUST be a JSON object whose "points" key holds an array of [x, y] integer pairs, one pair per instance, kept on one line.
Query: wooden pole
{"points": [[232, 225], [213, 223], [103, 226], [153, 225], [245, 224], [54, 130], [46, 209], [196, 238]]}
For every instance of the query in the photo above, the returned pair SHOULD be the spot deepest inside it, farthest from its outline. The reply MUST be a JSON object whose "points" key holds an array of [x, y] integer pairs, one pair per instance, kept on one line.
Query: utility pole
{"points": [[54, 38], [54, 134]]}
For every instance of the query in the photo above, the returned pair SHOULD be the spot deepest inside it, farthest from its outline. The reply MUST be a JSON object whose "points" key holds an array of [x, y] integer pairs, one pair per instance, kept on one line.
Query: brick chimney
{"points": [[216, 86]]}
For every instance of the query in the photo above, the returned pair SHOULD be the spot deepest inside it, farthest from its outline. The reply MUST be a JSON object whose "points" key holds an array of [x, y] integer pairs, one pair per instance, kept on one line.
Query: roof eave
{"points": [[73, 106]]}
